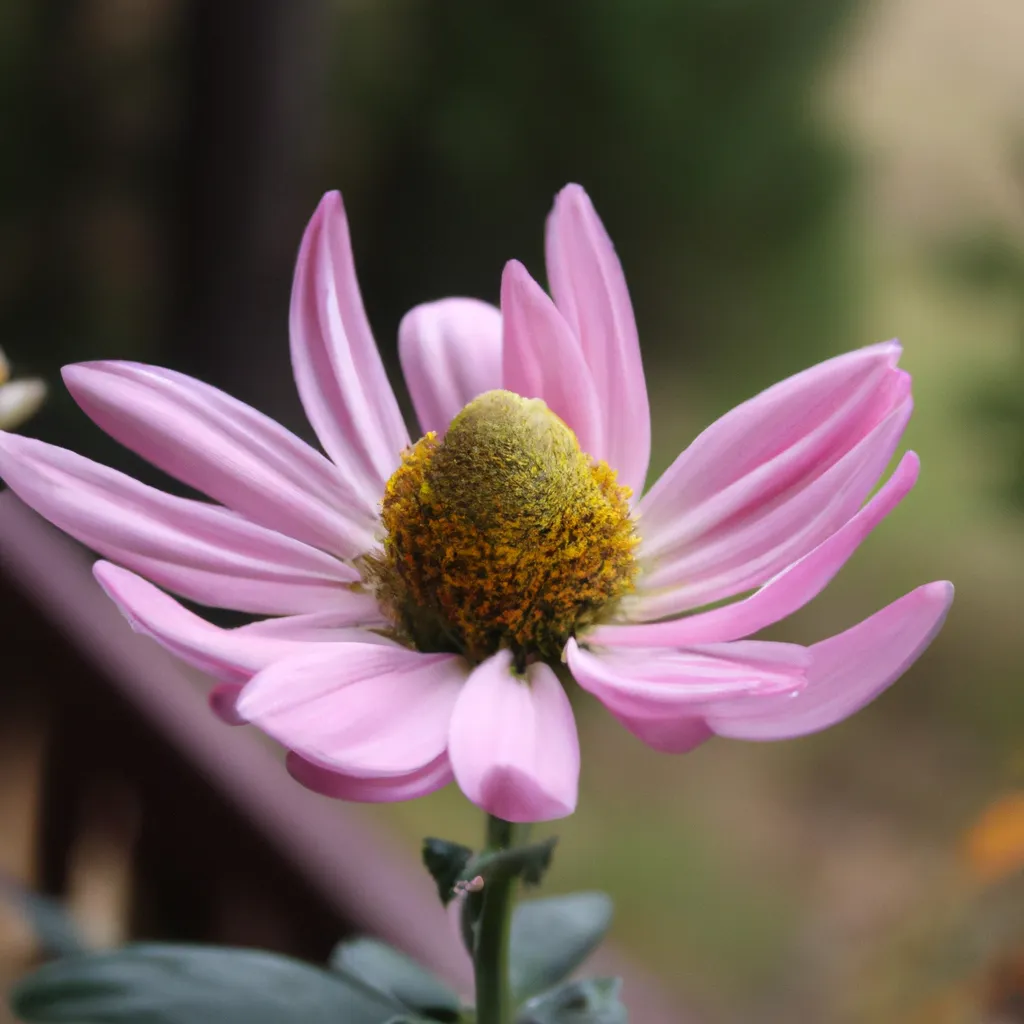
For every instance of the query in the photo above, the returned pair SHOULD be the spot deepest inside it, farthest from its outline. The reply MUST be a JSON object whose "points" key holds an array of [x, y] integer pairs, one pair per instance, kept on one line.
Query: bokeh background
{"points": [[784, 179]]}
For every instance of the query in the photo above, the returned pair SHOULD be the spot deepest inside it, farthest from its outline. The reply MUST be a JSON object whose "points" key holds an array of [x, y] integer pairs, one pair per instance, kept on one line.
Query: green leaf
{"points": [[175, 984], [594, 1001], [445, 861], [472, 906], [51, 924], [552, 937], [526, 862], [396, 976]]}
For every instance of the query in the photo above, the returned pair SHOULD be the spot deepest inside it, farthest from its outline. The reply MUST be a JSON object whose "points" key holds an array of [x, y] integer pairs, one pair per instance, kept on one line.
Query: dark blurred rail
{"points": [[227, 847]]}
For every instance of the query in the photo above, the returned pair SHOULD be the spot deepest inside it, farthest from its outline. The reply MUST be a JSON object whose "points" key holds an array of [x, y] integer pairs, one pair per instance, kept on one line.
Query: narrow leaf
{"points": [[594, 1001], [396, 976], [469, 918], [177, 984], [552, 937]]}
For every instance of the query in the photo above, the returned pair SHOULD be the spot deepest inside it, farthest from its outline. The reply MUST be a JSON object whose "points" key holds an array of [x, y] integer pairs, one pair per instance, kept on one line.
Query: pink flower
{"points": [[423, 606]]}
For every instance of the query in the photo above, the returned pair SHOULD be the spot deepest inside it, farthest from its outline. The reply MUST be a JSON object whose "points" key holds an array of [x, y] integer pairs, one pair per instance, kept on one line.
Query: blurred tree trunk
{"points": [[255, 115]]}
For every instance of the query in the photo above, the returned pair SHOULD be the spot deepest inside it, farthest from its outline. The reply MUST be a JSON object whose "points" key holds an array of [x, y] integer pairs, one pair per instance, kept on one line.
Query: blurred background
{"points": [[784, 179]]}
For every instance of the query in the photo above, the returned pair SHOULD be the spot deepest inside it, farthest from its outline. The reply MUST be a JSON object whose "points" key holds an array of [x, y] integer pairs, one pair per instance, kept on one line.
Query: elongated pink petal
{"points": [[232, 655], [846, 671], [675, 734], [513, 742], [673, 684], [748, 547], [227, 450], [338, 370], [450, 352], [751, 549], [590, 291], [542, 358], [763, 449], [780, 596], [223, 700], [385, 789], [201, 551], [334, 623], [366, 710]]}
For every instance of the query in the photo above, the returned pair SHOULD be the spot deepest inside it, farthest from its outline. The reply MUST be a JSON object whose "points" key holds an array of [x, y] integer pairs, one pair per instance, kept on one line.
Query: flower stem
{"points": [[490, 961]]}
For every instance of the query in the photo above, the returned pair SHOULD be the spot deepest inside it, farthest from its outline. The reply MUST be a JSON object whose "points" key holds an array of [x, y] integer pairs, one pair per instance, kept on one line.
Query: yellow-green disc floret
{"points": [[502, 535]]}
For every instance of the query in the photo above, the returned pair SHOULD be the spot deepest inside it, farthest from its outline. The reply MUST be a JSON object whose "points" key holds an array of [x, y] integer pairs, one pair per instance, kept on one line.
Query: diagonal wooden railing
{"points": [[226, 847]]}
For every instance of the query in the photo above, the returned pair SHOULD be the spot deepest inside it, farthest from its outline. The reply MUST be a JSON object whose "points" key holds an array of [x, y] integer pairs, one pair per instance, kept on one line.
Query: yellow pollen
{"points": [[502, 535]]}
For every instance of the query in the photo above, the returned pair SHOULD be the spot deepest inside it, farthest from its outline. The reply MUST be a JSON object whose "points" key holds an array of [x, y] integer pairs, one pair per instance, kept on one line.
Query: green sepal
{"points": [[594, 1001], [446, 862], [552, 937], [163, 983], [526, 862], [396, 976], [472, 906]]}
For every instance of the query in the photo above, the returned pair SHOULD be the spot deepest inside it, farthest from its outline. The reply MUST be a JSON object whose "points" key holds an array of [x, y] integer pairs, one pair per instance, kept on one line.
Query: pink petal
{"points": [[227, 450], [450, 352], [513, 743], [678, 684], [223, 700], [338, 370], [386, 789], [329, 624], [201, 551], [677, 734], [590, 291], [740, 538], [782, 438], [846, 672], [362, 709], [816, 413], [232, 655], [541, 357], [752, 548], [783, 594], [315, 627]]}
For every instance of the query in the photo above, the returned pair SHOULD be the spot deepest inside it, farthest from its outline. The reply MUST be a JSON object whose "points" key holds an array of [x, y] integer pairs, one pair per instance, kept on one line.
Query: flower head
{"points": [[502, 535], [424, 605]]}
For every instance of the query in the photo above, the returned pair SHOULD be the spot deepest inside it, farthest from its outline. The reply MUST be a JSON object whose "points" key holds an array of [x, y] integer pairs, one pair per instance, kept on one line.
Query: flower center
{"points": [[503, 535]]}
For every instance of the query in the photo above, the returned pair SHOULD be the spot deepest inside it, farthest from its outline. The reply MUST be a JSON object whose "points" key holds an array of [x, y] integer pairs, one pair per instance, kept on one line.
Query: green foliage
{"points": [[49, 920], [526, 862], [594, 1001], [396, 976], [497, 867], [177, 984], [992, 264], [445, 861], [690, 123], [552, 937]]}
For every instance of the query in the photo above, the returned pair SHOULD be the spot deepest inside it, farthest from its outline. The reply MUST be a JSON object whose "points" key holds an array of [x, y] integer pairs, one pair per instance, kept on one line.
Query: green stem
{"points": [[490, 961]]}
